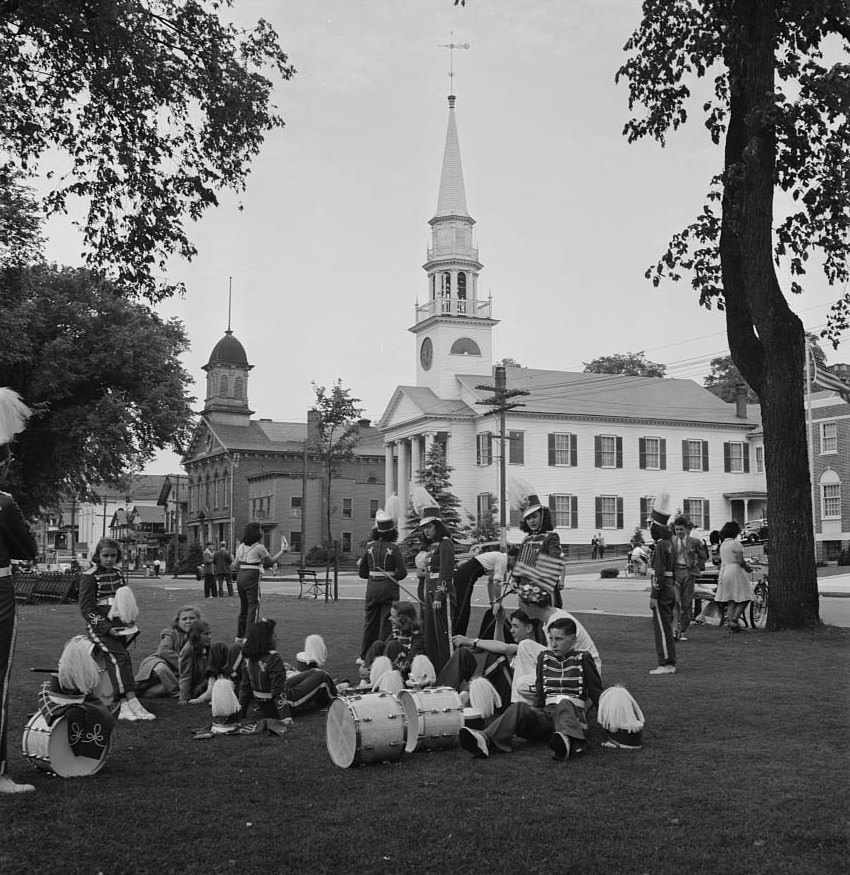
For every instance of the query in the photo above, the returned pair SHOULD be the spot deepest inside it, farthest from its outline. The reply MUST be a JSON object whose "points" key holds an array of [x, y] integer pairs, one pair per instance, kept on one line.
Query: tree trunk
{"points": [[766, 339]]}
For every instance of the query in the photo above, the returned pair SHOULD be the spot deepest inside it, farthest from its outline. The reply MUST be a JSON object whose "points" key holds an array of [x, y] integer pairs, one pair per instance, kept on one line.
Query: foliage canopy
{"points": [[632, 364], [151, 107]]}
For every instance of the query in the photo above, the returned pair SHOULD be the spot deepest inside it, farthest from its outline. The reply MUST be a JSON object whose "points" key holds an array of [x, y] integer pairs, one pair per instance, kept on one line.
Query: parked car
{"points": [[755, 532]]}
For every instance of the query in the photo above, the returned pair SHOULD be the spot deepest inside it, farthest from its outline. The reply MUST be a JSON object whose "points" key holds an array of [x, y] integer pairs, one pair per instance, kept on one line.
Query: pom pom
{"points": [[422, 672], [380, 666], [77, 668], [618, 710], [315, 652], [483, 697], [124, 607], [390, 682], [519, 493], [393, 508], [224, 701], [13, 415]]}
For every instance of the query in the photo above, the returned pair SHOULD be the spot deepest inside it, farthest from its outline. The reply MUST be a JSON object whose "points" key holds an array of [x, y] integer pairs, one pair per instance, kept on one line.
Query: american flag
{"points": [[829, 381], [539, 568]]}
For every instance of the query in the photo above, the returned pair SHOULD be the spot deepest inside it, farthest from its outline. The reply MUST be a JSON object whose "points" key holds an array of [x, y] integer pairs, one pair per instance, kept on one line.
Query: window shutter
{"points": [[644, 512], [619, 513], [574, 511], [574, 450], [597, 450], [619, 452], [746, 458], [551, 448], [478, 450], [706, 522], [705, 455], [642, 452], [685, 466], [488, 447], [598, 512], [663, 453], [514, 518], [727, 457], [552, 506], [686, 508]]}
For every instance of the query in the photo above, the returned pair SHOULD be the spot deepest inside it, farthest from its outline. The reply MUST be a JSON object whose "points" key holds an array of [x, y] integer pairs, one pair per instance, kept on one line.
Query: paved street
{"points": [[584, 592]]}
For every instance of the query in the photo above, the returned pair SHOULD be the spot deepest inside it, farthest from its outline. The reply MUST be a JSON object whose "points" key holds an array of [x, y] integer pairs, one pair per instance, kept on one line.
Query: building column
{"points": [[415, 456], [403, 477], [389, 472]]}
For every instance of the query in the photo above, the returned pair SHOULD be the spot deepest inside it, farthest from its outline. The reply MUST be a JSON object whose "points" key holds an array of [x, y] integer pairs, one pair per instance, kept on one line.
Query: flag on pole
{"points": [[829, 381], [540, 569]]}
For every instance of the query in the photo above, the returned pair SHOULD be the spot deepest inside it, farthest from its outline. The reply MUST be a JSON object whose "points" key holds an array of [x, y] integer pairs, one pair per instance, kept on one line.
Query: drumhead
{"points": [[47, 748], [341, 733]]}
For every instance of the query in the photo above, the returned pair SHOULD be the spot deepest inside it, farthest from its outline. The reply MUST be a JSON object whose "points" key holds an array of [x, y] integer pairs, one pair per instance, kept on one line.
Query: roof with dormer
{"points": [[452, 197]]}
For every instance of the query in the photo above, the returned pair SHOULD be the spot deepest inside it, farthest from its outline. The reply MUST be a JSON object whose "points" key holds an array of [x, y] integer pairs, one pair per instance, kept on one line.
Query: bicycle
{"points": [[758, 606]]}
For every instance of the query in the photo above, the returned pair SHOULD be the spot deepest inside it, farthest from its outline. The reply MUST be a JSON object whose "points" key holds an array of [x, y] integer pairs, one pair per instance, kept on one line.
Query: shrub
{"points": [[609, 572], [844, 558]]}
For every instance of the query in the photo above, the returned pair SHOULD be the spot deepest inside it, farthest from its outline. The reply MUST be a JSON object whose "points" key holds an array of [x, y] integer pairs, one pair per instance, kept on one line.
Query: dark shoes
{"points": [[560, 746], [473, 741]]}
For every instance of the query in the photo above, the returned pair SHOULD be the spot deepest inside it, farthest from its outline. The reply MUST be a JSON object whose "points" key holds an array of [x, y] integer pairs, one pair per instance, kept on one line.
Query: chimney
{"points": [[741, 401], [313, 426], [364, 423]]}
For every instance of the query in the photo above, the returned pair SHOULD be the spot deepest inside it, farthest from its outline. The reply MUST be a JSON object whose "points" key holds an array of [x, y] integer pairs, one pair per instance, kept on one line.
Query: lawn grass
{"points": [[744, 770]]}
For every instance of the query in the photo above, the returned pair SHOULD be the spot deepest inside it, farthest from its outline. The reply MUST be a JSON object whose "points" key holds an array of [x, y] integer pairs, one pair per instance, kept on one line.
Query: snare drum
{"points": [[48, 747], [365, 729], [434, 717]]}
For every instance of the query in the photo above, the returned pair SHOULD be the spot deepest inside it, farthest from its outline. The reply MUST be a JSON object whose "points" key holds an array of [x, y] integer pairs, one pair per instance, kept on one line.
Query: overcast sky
{"points": [[326, 255]]}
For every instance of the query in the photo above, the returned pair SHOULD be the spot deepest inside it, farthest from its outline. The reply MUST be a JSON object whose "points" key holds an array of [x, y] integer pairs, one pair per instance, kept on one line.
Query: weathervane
{"points": [[451, 46]]}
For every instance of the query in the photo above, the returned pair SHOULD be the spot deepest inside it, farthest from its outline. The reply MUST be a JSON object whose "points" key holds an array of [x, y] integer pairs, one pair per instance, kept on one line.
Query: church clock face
{"points": [[426, 353]]}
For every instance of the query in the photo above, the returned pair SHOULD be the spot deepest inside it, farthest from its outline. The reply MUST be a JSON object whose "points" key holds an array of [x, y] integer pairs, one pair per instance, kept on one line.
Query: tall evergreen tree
{"points": [[435, 476]]}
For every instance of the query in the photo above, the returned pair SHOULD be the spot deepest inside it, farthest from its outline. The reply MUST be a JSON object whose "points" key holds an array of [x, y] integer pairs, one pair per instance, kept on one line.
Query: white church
{"points": [[596, 447]]}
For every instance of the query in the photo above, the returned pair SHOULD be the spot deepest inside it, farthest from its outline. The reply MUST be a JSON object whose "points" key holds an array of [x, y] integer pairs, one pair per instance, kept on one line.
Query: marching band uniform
{"points": [[662, 598], [279, 693], [16, 542], [439, 589], [543, 541], [383, 566], [97, 595]]}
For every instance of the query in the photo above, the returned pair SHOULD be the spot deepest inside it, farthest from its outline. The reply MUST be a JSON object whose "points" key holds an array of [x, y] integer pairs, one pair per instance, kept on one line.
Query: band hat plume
{"points": [[523, 497], [620, 715], [13, 415], [425, 505], [383, 521], [77, 668], [661, 508], [393, 509]]}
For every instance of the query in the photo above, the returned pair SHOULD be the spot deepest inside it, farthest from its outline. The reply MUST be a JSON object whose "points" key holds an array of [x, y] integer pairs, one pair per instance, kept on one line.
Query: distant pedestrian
{"points": [[594, 547], [156, 566], [209, 571], [600, 545], [223, 560]]}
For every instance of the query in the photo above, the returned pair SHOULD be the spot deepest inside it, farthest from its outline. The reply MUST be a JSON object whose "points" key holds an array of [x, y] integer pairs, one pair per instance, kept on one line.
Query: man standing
{"points": [[662, 598], [16, 542], [222, 561], [689, 559], [210, 590], [567, 685]]}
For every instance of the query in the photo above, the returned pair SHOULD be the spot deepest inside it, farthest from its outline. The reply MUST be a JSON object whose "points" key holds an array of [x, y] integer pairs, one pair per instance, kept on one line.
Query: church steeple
{"points": [[454, 326]]}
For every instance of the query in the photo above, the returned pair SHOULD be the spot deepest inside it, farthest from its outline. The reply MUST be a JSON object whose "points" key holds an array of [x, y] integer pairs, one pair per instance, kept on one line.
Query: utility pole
{"points": [[498, 403]]}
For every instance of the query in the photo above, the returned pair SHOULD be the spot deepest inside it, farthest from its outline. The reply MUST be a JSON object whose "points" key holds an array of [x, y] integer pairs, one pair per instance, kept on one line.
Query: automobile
{"points": [[755, 532]]}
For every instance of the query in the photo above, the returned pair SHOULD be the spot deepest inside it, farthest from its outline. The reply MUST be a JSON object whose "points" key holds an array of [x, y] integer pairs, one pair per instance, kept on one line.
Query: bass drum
{"points": [[365, 729], [48, 747], [434, 717]]}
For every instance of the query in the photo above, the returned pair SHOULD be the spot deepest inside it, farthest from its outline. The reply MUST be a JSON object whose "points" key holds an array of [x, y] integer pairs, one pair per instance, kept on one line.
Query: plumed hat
{"points": [[315, 652], [13, 415], [661, 508], [523, 497], [621, 717], [383, 521], [425, 506]]}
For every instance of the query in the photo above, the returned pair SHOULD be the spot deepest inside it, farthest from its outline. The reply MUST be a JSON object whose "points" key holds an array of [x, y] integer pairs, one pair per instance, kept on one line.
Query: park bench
{"points": [[54, 587], [310, 583], [24, 584]]}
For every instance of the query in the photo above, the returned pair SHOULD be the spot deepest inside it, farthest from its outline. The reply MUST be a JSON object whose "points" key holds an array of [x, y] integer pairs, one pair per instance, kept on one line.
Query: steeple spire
{"points": [[452, 198]]}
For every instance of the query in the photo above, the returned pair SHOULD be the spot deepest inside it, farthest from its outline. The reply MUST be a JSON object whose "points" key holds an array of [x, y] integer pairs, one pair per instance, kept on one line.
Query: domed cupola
{"points": [[227, 382]]}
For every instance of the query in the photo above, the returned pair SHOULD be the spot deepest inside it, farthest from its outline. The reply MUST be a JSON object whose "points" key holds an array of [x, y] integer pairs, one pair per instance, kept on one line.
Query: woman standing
{"points": [[540, 539], [440, 599], [734, 587], [251, 558]]}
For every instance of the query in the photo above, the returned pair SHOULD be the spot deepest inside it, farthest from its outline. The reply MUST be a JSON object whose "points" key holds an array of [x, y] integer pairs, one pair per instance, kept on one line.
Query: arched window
{"points": [[237, 387], [465, 346], [446, 290], [216, 490], [433, 286], [222, 386], [830, 495]]}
